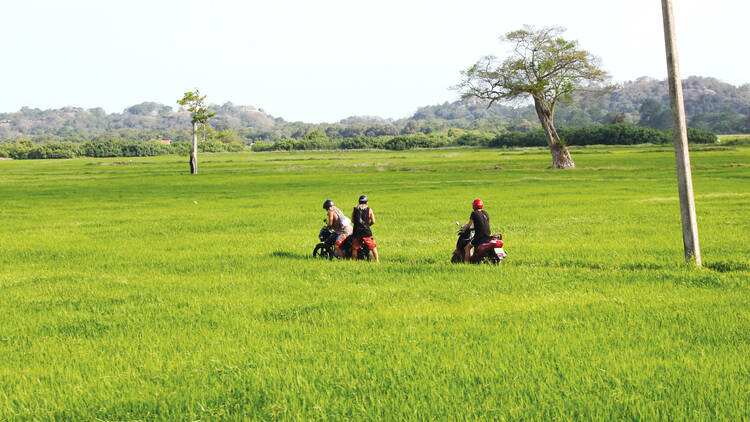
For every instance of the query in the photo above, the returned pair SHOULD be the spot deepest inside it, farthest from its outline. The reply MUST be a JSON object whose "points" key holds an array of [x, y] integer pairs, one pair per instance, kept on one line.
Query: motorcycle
{"points": [[489, 252], [325, 249]]}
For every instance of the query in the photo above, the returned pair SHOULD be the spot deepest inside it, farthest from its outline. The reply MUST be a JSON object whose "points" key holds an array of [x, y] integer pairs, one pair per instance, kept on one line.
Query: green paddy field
{"points": [[135, 291]]}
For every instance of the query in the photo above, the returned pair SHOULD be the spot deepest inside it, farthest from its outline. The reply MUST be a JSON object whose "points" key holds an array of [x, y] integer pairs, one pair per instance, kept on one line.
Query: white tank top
{"points": [[342, 222]]}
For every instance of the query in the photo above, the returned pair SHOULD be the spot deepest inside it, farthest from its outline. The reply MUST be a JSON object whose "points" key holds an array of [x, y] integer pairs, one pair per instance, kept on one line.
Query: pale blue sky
{"points": [[326, 60]]}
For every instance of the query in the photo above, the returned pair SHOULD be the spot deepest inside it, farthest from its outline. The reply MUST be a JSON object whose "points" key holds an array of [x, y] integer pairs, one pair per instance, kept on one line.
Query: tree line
{"points": [[24, 149], [229, 141], [615, 134]]}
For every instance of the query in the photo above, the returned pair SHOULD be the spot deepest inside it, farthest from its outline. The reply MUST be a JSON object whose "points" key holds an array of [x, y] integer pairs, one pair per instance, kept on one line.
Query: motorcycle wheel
{"points": [[456, 259], [322, 251]]}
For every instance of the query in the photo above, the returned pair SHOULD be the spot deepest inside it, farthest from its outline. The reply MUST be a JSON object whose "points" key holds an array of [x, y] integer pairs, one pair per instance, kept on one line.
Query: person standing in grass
{"points": [[339, 223], [480, 220], [363, 218]]}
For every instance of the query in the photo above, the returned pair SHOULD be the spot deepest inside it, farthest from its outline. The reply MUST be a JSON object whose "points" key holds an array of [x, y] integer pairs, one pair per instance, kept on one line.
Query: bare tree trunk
{"points": [[194, 154], [560, 156]]}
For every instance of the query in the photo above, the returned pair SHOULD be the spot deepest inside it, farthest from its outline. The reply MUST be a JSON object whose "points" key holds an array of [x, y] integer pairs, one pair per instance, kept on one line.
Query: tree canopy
{"points": [[195, 103], [543, 66]]}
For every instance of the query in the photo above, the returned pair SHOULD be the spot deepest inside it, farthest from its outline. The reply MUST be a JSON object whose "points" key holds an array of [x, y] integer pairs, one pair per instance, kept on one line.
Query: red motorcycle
{"points": [[489, 252], [326, 250]]}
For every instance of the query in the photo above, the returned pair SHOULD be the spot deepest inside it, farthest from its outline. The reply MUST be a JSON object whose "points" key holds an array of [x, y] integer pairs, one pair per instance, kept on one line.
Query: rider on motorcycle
{"points": [[363, 218], [339, 223], [480, 220]]}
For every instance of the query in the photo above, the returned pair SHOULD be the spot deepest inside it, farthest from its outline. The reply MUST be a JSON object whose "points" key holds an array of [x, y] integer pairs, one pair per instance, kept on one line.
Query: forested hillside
{"points": [[148, 118], [710, 104]]}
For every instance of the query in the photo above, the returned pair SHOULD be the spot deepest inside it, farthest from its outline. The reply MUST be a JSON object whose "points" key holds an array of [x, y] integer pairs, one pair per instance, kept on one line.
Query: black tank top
{"points": [[481, 224], [361, 222]]}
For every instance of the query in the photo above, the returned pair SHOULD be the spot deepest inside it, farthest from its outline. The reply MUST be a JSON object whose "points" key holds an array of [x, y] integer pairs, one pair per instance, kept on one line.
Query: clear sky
{"points": [[324, 60]]}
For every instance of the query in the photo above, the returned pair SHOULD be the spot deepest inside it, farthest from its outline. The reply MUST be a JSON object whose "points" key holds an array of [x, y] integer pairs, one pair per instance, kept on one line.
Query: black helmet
{"points": [[327, 204], [363, 199]]}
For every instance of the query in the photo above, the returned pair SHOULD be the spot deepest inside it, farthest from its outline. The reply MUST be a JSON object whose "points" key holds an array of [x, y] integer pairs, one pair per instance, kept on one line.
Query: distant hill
{"points": [[147, 116], [710, 105]]}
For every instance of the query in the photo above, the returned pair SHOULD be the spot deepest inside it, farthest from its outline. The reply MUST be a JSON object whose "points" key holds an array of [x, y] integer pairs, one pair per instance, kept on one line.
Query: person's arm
{"points": [[468, 225], [372, 217]]}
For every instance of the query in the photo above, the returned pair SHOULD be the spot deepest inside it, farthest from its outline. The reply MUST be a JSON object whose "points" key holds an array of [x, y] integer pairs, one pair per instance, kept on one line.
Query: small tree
{"points": [[194, 103], [544, 66]]}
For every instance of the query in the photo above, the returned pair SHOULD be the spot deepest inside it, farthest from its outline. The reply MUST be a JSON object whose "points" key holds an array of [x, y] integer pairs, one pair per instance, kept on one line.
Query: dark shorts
{"points": [[477, 240], [369, 241]]}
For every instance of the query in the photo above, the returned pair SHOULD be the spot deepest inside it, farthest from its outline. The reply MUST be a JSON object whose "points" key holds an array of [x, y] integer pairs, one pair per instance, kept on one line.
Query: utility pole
{"points": [[682, 155]]}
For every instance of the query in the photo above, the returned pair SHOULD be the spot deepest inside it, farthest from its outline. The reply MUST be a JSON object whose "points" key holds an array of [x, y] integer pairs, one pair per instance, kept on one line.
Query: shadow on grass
{"points": [[309, 257], [298, 256], [727, 266], [720, 266], [642, 266], [633, 266], [290, 255]]}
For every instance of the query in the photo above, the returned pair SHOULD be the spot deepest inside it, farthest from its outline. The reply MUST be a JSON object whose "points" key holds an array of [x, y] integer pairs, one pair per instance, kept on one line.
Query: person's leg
{"points": [[341, 240], [356, 244], [339, 252], [467, 252], [337, 246], [370, 245]]}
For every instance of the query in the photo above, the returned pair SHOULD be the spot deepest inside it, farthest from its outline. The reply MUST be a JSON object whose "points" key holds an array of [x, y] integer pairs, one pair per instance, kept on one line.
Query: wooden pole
{"points": [[194, 154], [682, 155]]}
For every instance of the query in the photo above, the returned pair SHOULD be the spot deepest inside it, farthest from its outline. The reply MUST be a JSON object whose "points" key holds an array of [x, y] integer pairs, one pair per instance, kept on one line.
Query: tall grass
{"points": [[142, 292]]}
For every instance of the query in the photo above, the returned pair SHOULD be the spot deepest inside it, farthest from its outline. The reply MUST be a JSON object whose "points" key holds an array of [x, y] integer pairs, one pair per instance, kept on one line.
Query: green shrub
{"points": [[474, 138], [211, 146], [360, 142], [316, 143], [180, 148], [260, 146], [697, 136], [54, 150], [615, 134], [19, 150], [143, 149], [534, 138], [418, 140], [103, 148]]}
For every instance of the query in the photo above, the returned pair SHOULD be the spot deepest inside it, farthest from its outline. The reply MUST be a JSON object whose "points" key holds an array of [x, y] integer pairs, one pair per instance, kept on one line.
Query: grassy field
{"points": [[735, 140], [141, 292]]}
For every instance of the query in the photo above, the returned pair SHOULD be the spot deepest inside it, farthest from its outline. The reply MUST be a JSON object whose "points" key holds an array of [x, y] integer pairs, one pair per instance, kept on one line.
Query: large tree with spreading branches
{"points": [[195, 103], [543, 66]]}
